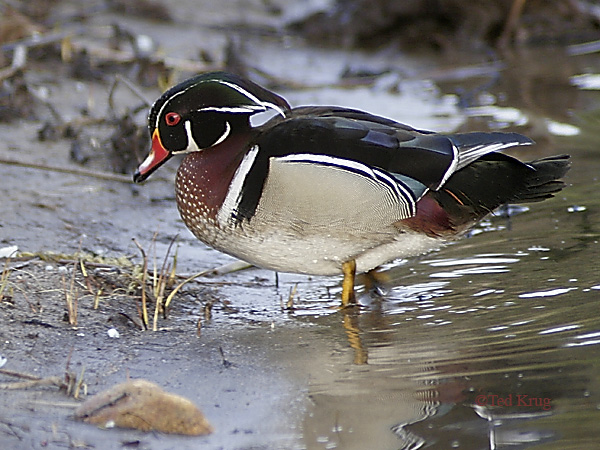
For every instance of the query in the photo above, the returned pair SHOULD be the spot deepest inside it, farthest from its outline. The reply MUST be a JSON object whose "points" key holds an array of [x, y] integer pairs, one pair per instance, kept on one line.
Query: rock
{"points": [[143, 405]]}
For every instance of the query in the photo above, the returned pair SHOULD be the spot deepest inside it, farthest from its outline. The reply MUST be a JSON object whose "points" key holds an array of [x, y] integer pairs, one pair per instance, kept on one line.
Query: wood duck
{"points": [[326, 190]]}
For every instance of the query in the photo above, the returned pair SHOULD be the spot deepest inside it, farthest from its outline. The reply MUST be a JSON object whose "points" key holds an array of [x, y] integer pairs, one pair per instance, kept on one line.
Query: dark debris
{"points": [[450, 25], [67, 47], [16, 100]]}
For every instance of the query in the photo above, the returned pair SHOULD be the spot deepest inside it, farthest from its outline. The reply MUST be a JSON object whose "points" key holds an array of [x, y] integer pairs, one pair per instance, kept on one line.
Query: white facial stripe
{"points": [[232, 199], [192, 146], [242, 91], [233, 109], [159, 115], [253, 98], [224, 135], [280, 111]]}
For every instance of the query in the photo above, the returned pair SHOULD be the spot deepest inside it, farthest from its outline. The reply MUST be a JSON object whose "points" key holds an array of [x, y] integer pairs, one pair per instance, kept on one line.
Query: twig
{"points": [[511, 23], [184, 282], [32, 380], [226, 363], [12, 373], [40, 41], [133, 88], [71, 296], [144, 276], [166, 275], [73, 171], [72, 405], [97, 298], [19, 62], [8, 72], [208, 310], [290, 301], [48, 381], [88, 284], [79, 385]]}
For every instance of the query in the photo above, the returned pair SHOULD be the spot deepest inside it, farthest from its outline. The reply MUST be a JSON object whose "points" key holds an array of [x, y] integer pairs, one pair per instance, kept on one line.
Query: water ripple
{"points": [[560, 329], [550, 293]]}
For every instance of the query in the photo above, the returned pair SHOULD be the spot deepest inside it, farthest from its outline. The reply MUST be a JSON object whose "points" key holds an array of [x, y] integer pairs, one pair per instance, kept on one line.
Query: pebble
{"points": [[113, 333]]}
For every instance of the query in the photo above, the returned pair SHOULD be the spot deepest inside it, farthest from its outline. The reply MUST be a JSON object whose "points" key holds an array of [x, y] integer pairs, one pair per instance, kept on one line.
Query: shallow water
{"points": [[491, 342]]}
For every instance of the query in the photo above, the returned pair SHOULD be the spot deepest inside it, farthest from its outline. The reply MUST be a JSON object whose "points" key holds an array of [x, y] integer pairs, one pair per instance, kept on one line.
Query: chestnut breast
{"points": [[203, 179]]}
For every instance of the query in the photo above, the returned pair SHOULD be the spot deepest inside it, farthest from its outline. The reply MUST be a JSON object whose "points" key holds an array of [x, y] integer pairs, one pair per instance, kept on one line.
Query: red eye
{"points": [[172, 119]]}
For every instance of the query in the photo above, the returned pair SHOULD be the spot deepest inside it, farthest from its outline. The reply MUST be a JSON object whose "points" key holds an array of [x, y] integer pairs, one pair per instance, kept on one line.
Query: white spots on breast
{"points": [[192, 207]]}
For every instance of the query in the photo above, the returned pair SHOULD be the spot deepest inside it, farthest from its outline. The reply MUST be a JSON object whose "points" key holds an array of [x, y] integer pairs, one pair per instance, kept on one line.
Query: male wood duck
{"points": [[325, 190]]}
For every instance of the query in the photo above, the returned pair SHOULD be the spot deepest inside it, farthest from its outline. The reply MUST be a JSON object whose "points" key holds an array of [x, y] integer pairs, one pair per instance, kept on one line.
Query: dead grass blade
{"points": [[6, 270], [71, 296], [183, 283], [144, 312]]}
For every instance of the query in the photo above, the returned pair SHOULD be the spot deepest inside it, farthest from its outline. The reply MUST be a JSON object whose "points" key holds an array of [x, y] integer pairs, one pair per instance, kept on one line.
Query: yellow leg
{"points": [[373, 278], [349, 271]]}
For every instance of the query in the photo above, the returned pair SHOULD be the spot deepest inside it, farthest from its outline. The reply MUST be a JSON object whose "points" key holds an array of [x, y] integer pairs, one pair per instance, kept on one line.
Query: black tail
{"points": [[544, 182], [496, 179]]}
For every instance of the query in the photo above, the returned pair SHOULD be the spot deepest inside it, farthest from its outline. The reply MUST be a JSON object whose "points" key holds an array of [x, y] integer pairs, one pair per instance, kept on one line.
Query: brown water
{"points": [[491, 342]]}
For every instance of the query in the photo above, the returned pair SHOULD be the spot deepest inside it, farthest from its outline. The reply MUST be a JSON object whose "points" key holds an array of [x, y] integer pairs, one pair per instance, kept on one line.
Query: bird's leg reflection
{"points": [[361, 355]]}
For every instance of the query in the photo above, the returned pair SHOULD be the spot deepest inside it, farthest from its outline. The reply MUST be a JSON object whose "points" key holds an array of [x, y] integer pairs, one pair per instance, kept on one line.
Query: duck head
{"points": [[203, 112]]}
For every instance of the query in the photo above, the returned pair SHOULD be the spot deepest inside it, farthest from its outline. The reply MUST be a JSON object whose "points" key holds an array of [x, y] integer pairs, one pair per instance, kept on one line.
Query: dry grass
{"points": [[88, 278], [160, 280], [6, 270]]}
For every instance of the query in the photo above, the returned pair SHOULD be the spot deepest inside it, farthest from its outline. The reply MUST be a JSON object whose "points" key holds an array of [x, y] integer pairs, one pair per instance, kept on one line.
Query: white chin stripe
{"points": [[224, 135], [192, 146]]}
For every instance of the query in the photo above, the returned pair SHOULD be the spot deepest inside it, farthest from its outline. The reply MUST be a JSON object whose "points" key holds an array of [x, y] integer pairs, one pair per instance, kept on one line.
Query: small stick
{"points": [[208, 310], [511, 23], [49, 381], [6, 271], [46, 39], [13, 373], [132, 87], [79, 384], [97, 298], [289, 304], [180, 285], [73, 171], [144, 275]]}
